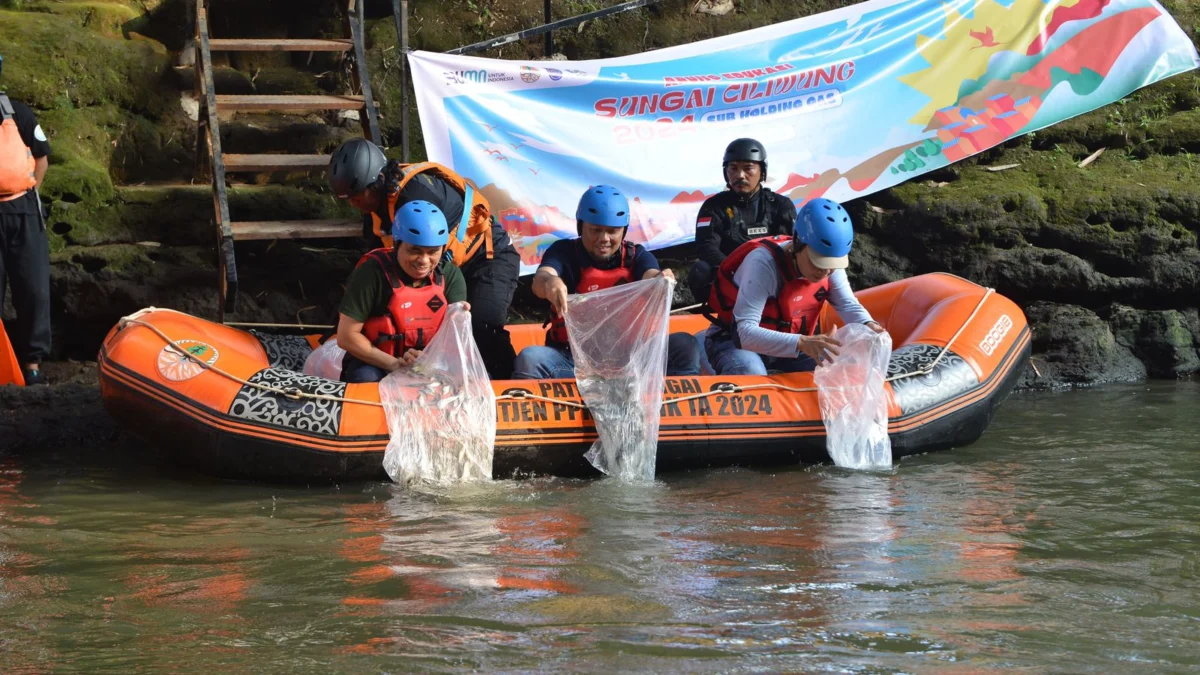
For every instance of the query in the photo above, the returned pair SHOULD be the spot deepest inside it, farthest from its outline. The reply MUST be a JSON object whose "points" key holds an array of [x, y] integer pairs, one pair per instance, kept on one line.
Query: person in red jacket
{"points": [[396, 298], [600, 258]]}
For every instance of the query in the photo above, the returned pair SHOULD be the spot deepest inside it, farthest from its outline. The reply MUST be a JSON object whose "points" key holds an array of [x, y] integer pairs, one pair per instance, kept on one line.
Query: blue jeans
{"points": [[355, 371], [727, 359], [556, 363]]}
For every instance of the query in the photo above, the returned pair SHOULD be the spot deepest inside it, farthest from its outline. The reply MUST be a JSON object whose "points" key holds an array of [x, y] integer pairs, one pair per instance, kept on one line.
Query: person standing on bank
{"points": [[396, 298], [745, 210], [360, 173], [24, 246]]}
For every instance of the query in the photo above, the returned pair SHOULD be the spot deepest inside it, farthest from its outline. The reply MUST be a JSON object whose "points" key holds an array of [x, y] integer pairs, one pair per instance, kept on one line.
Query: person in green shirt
{"points": [[396, 298]]}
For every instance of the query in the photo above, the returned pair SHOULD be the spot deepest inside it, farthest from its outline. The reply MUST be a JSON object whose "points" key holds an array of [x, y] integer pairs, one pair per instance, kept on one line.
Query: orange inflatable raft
{"points": [[237, 404]]}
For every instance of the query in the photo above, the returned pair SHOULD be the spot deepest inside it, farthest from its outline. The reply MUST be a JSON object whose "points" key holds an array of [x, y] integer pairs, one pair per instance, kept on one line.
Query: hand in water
{"points": [[821, 348]]}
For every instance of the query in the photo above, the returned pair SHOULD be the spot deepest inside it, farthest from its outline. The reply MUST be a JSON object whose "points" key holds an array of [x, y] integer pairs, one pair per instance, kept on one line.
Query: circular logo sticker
{"points": [[530, 74], [554, 73], [176, 367]]}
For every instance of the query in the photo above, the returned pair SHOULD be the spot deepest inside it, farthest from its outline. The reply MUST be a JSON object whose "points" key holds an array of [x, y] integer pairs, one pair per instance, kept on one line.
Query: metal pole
{"points": [[549, 34], [400, 14], [561, 23]]}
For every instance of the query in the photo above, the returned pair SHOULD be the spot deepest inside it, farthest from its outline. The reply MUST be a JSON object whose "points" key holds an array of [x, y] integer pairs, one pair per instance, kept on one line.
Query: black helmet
{"points": [[745, 150], [355, 167]]}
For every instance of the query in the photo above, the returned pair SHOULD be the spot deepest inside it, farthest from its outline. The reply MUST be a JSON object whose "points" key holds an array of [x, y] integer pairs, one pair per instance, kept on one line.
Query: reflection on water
{"points": [[1065, 541]]}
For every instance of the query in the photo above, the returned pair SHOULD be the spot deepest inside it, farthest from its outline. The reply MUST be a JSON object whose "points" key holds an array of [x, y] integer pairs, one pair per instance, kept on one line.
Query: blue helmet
{"points": [[421, 224], [603, 205], [824, 227]]}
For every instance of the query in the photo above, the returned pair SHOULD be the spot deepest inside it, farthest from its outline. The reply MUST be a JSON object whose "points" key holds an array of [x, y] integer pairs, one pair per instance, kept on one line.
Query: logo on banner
{"points": [[474, 77], [554, 73], [530, 74], [465, 76]]}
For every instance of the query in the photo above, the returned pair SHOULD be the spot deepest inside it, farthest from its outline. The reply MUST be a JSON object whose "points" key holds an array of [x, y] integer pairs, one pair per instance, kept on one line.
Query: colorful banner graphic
{"points": [[847, 103]]}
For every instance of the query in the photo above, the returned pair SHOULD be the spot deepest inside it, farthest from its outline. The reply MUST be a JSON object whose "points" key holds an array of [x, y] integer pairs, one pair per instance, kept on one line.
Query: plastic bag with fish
{"points": [[619, 342], [441, 411], [325, 361], [853, 399]]}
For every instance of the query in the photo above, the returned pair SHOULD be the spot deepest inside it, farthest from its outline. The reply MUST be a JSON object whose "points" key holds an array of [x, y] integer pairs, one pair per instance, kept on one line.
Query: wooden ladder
{"points": [[211, 160]]}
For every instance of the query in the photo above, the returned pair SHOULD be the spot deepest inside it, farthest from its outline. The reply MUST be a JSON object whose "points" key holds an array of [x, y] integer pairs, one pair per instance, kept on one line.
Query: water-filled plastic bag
{"points": [[619, 342], [853, 400], [325, 361], [441, 411]]}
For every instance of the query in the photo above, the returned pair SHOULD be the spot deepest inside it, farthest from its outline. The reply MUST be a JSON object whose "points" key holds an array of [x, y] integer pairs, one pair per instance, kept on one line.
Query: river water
{"points": [[1066, 540]]}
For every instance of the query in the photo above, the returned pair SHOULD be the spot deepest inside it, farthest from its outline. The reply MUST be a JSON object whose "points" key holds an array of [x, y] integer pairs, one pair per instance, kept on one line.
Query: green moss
{"points": [[128, 259], [114, 18], [49, 61], [77, 180]]}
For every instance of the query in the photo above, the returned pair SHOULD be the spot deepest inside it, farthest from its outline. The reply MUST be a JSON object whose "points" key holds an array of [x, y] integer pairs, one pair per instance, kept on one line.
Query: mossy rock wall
{"points": [[1110, 249]]}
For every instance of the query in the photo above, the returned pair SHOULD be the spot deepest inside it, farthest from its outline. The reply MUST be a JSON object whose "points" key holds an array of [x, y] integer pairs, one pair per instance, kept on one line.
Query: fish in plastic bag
{"points": [[853, 399], [325, 361], [441, 410], [619, 342]]}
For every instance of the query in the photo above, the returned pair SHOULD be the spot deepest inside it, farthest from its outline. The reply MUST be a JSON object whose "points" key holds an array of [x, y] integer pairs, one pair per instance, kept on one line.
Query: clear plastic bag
{"points": [[441, 411], [853, 399], [325, 361], [619, 342]]}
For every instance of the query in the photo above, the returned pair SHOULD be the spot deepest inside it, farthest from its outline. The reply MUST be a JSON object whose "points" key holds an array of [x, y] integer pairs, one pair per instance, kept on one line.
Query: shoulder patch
{"points": [[39, 134]]}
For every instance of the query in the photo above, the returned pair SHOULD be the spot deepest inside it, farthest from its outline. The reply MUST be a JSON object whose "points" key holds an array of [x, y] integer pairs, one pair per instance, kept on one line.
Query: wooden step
{"points": [[288, 103], [280, 45], [275, 162], [248, 230]]}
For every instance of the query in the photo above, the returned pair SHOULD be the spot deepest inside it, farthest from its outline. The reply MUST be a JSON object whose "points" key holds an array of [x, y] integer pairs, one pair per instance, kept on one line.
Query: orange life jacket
{"points": [[795, 309], [413, 314], [591, 280], [16, 159], [472, 232]]}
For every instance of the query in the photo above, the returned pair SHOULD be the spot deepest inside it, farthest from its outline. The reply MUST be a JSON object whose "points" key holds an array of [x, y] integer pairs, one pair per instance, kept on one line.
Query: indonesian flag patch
{"points": [[704, 222]]}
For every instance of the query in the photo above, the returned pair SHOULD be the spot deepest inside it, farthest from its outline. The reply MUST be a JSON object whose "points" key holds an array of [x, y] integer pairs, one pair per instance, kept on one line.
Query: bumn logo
{"points": [[465, 76], [593, 287], [406, 305]]}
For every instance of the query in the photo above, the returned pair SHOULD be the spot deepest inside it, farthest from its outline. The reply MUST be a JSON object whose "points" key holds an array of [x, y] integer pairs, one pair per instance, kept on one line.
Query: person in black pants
{"points": [[360, 173], [24, 246]]}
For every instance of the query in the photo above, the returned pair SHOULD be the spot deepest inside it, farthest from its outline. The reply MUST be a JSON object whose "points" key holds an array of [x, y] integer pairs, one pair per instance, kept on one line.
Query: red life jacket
{"points": [[413, 314], [795, 309], [16, 159], [590, 280]]}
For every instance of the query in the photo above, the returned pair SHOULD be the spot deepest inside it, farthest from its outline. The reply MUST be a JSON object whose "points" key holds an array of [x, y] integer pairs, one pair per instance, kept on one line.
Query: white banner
{"points": [[847, 103]]}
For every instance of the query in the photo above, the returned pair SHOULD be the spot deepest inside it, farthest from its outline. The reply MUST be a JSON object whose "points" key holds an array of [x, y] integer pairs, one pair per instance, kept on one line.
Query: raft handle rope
{"points": [[519, 394]]}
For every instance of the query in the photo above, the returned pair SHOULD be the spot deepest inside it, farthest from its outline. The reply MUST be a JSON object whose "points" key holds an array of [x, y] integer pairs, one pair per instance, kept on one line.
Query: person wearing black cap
{"points": [[24, 246], [378, 187], [747, 209]]}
